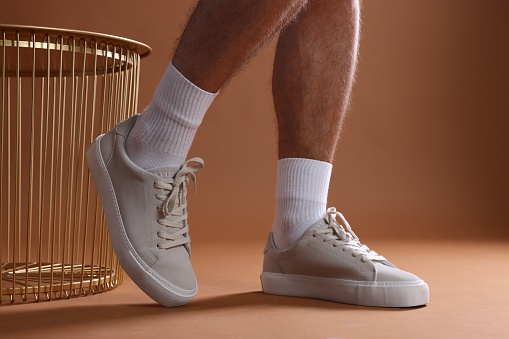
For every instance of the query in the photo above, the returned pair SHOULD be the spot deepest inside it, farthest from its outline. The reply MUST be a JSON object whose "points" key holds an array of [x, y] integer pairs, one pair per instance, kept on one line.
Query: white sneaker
{"points": [[146, 213], [328, 262]]}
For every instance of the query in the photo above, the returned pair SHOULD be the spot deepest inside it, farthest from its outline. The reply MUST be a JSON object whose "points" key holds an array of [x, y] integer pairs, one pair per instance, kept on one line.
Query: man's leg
{"points": [[313, 75], [310, 253], [139, 167], [222, 36], [217, 42]]}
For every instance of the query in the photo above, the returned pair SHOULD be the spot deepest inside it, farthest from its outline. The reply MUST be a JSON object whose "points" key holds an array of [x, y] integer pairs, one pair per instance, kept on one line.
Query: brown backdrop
{"points": [[425, 148]]}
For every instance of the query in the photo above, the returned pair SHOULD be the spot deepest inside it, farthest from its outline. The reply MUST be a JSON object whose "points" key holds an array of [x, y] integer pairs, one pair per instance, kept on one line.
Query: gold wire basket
{"points": [[59, 89]]}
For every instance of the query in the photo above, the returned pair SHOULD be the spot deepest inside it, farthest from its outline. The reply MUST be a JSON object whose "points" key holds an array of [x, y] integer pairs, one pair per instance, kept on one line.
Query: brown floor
{"points": [[469, 283]]}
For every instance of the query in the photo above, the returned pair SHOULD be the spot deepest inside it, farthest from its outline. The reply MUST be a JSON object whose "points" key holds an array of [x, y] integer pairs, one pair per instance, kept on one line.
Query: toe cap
{"points": [[387, 273], [175, 267]]}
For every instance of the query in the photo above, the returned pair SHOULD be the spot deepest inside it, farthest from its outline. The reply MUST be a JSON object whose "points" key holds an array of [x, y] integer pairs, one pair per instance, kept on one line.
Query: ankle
{"points": [[148, 157], [301, 197], [164, 132]]}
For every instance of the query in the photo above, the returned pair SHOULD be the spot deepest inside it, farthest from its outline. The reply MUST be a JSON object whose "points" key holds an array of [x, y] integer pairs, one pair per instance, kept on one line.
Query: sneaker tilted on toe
{"points": [[146, 213], [329, 262]]}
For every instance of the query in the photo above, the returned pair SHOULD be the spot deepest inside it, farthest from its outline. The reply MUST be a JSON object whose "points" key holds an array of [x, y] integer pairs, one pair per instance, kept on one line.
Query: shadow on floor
{"points": [[97, 315], [260, 299]]}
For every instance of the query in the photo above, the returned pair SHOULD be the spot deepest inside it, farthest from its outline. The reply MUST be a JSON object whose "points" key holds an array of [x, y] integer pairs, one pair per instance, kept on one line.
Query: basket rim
{"points": [[143, 49]]}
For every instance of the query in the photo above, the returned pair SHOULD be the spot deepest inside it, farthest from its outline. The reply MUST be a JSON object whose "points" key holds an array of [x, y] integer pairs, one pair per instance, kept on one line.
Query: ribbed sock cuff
{"points": [[306, 179], [164, 132], [301, 197], [176, 111]]}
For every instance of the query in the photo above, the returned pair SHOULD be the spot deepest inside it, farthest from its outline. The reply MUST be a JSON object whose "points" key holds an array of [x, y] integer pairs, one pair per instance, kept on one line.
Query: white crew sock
{"points": [[301, 197], [163, 133]]}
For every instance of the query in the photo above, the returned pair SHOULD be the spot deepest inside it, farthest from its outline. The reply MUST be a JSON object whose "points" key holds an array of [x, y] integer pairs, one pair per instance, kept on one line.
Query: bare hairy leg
{"points": [[222, 35], [219, 39], [313, 76]]}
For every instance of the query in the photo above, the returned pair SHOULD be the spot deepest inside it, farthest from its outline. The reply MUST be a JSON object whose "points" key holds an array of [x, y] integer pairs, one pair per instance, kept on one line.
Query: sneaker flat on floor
{"points": [[146, 213], [329, 262]]}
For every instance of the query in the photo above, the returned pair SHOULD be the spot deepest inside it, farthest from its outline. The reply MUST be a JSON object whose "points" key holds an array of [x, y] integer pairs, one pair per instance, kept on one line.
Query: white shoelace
{"points": [[346, 238], [174, 207]]}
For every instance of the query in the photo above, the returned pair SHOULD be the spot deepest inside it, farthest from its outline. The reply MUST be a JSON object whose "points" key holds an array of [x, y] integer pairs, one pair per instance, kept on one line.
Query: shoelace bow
{"points": [[174, 207], [347, 238]]}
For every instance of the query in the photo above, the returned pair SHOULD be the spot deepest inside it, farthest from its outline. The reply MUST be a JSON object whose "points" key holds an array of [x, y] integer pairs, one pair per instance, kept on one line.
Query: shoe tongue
{"points": [[167, 172]]}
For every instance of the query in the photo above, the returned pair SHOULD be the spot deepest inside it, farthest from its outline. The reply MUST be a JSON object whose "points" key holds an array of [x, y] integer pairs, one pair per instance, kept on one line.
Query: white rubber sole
{"points": [[380, 294], [149, 281]]}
